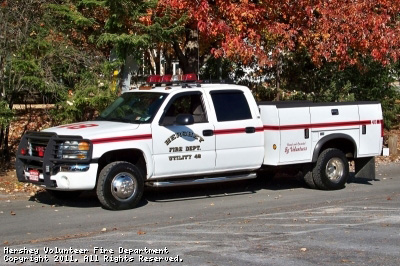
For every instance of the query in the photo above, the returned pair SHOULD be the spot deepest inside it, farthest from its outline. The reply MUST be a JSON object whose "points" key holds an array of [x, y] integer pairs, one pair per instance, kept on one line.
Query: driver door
{"points": [[184, 149]]}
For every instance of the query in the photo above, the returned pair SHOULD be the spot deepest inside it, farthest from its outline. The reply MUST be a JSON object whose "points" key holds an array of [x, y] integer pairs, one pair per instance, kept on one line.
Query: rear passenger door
{"points": [[239, 133]]}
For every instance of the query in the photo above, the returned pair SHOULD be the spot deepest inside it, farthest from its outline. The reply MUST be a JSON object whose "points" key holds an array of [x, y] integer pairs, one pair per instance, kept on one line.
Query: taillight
{"points": [[382, 128], [23, 151]]}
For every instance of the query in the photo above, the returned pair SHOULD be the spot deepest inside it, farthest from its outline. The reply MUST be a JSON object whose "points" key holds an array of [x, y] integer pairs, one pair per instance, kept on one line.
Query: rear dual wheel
{"points": [[330, 172]]}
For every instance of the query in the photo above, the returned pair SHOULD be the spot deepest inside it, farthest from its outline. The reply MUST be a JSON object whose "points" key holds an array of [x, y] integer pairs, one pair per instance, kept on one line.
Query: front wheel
{"points": [[120, 186], [331, 170]]}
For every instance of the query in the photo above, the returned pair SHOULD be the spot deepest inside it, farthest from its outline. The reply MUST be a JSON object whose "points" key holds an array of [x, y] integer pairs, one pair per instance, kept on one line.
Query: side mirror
{"points": [[184, 119]]}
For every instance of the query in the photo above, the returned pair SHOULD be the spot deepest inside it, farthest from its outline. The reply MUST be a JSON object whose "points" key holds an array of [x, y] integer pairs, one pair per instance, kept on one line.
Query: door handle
{"points": [[208, 133], [306, 133], [364, 129], [250, 129]]}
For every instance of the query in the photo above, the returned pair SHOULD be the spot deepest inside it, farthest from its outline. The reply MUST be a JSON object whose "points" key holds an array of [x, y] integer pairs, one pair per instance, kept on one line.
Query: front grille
{"points": [[41, 151], [37, 143]]}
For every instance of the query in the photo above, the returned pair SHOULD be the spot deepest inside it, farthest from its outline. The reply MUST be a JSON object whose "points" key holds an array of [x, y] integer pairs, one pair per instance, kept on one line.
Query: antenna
{"points": [[198, 52]]}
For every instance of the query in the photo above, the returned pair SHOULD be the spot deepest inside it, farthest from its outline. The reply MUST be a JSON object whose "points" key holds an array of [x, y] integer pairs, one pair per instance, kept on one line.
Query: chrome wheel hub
{"points": [[123, 186], [334, 169]]}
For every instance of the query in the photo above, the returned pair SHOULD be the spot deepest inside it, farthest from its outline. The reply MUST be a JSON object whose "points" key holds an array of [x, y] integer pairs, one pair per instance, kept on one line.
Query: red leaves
{"points": [[339, 31]]}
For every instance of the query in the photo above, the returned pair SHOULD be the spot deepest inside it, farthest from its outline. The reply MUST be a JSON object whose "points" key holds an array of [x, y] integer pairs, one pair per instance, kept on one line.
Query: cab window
{"points": [[230, 105], [185, 104]]}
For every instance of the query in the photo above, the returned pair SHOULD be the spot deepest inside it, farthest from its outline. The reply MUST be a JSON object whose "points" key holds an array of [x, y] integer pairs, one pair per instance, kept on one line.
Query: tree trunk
{"points": [[129, 67], [168, 61], [1, 137], [192, 50], [6, 151], [392, 143], [278, 82], [183, 60], [148, 59], [157, 58]]}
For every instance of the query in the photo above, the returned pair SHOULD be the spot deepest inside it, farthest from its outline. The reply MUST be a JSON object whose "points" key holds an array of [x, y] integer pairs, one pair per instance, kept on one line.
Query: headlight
{"points": [[72, 149]]}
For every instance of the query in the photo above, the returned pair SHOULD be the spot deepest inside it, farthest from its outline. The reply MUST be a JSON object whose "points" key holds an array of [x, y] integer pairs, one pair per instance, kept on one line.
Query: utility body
{"points": [[183, 135]]}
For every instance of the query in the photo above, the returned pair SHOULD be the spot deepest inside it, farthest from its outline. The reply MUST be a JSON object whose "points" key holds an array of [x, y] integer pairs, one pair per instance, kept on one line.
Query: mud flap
{"points": [[365, 168]]}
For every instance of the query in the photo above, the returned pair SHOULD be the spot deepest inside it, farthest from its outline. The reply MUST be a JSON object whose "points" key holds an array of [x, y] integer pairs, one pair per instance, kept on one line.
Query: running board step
{"points": [[208, 180]]}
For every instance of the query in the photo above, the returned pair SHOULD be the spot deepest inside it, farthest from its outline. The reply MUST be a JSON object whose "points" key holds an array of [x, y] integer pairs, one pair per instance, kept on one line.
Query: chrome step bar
{"points": [[198, 181]]}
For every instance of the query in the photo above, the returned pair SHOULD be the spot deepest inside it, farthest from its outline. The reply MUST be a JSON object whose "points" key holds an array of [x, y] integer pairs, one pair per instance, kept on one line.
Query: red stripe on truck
{"points": [[235, 130], [123, 138]]}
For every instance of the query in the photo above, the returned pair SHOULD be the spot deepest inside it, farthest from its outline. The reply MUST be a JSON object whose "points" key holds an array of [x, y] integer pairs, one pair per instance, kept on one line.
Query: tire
{"points": [[120, 186], [64, 195], [308, 176], [331, 170]]}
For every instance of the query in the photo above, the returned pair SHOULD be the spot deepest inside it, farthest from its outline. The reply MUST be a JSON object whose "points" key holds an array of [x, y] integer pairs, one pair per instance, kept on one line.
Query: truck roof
{"points": [[188, 87]]}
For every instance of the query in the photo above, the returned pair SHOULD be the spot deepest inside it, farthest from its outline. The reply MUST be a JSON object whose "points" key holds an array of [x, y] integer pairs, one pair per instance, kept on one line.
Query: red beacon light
{"points": [[190, 77], [166, 79], [153, 79]]}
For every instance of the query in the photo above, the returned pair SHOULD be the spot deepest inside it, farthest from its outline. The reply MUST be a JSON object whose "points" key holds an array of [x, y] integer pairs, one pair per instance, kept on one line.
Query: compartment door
{"points": [[295, 135]]}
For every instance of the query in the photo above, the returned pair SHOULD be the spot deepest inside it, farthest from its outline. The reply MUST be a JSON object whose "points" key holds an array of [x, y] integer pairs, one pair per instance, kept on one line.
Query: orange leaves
{"points": [[147, 19], [338, 31]]}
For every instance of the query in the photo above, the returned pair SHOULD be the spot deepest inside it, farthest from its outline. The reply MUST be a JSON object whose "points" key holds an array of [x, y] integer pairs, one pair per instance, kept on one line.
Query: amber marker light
{"points": [[83, 146]]}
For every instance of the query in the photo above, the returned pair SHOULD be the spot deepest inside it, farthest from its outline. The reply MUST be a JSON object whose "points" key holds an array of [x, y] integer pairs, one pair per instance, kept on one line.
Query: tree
{"points": [[43, 52], [330, 31], [17, 70]]}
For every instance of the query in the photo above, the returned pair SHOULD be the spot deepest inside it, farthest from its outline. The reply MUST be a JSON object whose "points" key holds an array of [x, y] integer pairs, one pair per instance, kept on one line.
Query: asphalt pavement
{"points": [[257, 222]]}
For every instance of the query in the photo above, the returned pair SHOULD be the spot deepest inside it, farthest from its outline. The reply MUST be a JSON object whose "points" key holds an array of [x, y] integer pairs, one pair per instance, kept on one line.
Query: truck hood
{"points": [[92, 129]]}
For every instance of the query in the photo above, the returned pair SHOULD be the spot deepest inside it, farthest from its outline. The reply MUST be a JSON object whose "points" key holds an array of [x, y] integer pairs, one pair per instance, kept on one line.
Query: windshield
{"points": [[135, 107]]}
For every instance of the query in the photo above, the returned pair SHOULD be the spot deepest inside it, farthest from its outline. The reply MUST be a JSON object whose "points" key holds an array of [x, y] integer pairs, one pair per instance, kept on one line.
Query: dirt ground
{"points": [[30, 117], [37, 119]]}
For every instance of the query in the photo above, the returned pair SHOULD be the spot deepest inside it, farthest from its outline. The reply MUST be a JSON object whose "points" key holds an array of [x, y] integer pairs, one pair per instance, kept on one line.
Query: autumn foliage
{"points": [[330, 31]]}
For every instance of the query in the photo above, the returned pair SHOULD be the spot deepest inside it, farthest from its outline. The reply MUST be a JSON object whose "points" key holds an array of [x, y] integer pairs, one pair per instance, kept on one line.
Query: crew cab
{"points": [[191, 134]]}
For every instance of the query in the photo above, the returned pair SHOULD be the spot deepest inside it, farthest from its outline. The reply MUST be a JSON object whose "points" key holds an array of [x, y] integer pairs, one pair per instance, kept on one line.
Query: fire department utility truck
{"points": [[199, 133]]}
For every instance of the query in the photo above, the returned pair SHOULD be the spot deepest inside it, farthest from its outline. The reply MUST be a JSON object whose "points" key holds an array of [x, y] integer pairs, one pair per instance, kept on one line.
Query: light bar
{"points": [[154, 79], [171, 79]]}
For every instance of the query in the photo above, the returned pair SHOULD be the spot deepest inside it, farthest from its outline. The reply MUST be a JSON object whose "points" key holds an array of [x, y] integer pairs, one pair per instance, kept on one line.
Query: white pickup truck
{"points": [[191, 134]]}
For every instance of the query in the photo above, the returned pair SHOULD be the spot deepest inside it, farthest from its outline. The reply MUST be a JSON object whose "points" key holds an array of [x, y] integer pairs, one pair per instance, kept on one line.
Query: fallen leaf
{"points": [[12, 213], [345, 261], [140, 232], [303, 249], [104, 230]]}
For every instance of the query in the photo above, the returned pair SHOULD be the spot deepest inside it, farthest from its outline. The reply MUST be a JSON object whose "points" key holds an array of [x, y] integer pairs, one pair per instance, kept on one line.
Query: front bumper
{"points": [[67, 180], [52, 171]]}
